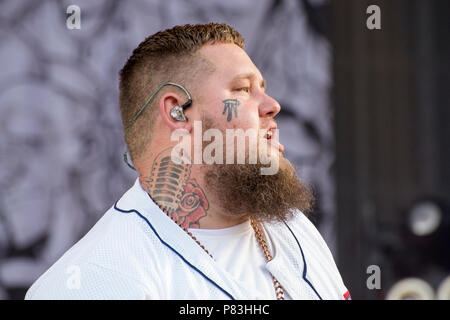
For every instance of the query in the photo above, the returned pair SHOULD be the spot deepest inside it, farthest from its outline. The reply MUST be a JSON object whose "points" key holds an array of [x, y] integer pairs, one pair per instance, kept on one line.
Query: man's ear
{"points": [[166, 103]]}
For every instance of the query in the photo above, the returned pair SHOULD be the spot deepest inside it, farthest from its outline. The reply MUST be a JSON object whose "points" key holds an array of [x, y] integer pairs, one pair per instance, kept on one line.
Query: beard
{"points": [[242, 191]]}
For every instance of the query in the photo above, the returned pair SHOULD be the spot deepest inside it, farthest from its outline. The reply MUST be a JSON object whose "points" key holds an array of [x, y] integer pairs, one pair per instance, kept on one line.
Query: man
{"points": [[199, 226]]}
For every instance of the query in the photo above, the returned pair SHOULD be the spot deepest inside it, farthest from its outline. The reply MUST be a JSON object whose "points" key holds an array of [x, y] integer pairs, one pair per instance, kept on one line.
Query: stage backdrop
{"points": [[60, 131]]}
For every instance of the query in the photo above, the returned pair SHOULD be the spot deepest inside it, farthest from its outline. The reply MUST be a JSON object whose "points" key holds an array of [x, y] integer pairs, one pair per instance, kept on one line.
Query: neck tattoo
{"points": [[182, 199], [171, 187]]}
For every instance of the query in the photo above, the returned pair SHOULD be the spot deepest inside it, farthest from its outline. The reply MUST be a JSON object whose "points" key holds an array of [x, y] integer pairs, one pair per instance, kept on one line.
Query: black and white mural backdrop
{"points": [[60, 131]]}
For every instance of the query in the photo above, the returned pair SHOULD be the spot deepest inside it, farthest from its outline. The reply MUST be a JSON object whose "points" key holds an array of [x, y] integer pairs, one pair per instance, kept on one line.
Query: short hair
{"points": [[168, 55]]}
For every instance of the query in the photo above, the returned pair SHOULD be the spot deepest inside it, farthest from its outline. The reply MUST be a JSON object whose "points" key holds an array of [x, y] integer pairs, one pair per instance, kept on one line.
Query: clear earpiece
{"points": [[177, 113]]}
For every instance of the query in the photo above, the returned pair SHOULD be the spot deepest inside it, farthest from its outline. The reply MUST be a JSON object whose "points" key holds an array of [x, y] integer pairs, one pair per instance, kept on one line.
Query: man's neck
{"points": [[179, 190]]}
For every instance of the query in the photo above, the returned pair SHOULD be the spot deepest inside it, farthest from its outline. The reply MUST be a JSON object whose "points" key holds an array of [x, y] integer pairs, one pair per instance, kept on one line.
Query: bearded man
{"points": [[192, 228]]}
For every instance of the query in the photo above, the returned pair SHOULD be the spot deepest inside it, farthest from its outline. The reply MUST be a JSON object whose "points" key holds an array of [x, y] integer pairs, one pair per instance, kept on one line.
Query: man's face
{"points": [[233, 96]]}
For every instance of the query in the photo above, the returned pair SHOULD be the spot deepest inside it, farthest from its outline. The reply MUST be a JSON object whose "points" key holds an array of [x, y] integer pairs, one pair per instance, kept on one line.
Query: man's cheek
{"points": [[245, 121]]}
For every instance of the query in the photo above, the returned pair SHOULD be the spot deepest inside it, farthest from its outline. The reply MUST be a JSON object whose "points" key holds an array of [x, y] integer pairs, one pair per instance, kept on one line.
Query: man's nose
{"points": [[269, 107]]}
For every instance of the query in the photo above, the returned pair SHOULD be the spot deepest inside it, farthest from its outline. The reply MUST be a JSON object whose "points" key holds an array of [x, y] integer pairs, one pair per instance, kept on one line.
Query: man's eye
{"points": [[244, 89]]}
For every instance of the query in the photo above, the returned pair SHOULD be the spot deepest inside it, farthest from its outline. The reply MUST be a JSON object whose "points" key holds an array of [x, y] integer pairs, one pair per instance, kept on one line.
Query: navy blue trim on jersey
{"points": [[305, 266], [175, 251]]}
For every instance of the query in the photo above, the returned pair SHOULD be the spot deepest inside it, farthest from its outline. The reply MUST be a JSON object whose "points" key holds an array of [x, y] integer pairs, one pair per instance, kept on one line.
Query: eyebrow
{"points": [[250, 76]]}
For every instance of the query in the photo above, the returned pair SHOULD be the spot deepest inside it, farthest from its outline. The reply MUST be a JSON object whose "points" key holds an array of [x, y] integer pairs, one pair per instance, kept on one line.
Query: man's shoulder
{"points": [[114, 250], [118, 235], [86, 280], [113, 236]]}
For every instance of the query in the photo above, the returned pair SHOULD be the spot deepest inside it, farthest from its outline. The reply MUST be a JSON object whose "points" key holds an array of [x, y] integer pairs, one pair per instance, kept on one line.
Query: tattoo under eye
{"points": [[230, 105]]}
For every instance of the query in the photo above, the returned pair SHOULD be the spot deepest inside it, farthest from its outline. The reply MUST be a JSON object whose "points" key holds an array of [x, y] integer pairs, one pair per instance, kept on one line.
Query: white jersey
{"points": [[135, 251]]}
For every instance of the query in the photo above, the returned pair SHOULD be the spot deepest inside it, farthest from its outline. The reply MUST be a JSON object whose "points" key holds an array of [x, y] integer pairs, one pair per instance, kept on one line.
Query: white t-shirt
{"points": [[237, 250]]}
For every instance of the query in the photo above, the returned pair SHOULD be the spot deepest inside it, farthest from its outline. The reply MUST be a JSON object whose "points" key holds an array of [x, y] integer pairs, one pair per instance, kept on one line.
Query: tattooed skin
{"points": [[171, 187], [230, 105]]}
